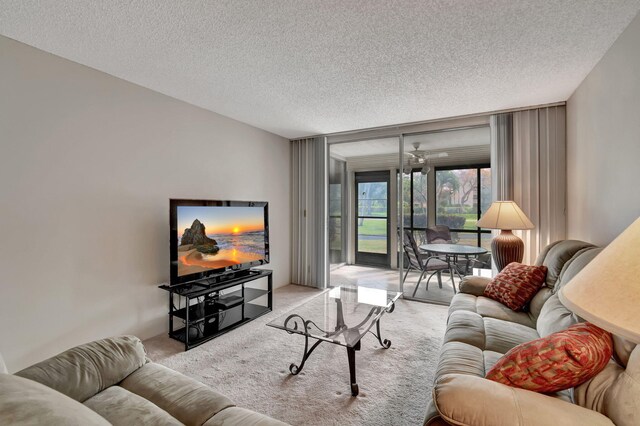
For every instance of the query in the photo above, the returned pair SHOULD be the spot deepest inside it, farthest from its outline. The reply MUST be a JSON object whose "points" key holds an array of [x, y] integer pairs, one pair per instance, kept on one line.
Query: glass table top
{"points": [[461, 249], [340, 315]]}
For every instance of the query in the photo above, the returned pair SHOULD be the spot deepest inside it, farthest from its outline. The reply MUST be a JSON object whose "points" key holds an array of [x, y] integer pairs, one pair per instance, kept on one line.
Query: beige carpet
{"points": [[250, 365]]}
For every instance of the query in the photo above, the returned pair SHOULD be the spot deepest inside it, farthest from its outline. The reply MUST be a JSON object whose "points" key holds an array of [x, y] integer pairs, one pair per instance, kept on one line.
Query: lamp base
{"points": [[506, 248]]}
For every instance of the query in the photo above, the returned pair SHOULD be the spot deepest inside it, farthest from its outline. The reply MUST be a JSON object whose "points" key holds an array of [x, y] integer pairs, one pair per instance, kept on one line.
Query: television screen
{"points": [[215, 236]]}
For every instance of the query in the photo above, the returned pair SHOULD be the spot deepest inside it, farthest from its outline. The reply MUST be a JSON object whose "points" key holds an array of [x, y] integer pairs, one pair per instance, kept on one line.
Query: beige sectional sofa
{"points": [[480, 330], [111, 381]]}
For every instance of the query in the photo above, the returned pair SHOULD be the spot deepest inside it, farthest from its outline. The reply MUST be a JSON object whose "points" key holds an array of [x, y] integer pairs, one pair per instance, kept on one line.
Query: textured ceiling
{"points": [[301, 67]]}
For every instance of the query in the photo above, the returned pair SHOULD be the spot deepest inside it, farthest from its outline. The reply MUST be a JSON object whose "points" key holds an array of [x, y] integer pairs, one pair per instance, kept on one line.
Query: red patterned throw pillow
{"points": [[558, 361], [516, 284]]}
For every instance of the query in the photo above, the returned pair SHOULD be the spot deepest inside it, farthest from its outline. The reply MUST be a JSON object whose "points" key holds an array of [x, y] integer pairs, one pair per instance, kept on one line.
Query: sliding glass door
{"points": [[446, 186], [363, 216]]}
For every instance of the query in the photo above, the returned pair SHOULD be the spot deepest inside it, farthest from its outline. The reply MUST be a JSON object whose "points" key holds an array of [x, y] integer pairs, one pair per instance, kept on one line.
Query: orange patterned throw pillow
{"points": [[558, 361], [516, 284]]}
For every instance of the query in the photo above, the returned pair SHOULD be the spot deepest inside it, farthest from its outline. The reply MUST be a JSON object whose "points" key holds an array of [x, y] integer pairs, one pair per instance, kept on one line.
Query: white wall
{"points": [[88, 163], [603, 144]]}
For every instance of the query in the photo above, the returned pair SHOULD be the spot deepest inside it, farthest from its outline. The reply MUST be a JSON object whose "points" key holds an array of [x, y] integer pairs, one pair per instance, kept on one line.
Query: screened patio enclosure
{"points": [[380, 187]]}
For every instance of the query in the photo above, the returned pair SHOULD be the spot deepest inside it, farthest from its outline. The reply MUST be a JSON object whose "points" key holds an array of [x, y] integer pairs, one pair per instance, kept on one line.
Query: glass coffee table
{"points": [[342, 316]]}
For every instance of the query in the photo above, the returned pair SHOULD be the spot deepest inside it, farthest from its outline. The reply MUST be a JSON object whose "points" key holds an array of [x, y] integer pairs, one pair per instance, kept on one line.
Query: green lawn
{"points": [[373, 246], [372, 227], [471, 221], [378, 228]]}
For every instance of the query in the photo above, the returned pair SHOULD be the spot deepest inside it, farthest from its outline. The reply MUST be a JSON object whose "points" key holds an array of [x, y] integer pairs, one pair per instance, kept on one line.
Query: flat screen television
{"points": [[211, 237]]}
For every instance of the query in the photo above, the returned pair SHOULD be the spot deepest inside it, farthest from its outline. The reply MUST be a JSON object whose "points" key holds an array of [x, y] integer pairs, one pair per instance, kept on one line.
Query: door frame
{"points": [[364, 258]]}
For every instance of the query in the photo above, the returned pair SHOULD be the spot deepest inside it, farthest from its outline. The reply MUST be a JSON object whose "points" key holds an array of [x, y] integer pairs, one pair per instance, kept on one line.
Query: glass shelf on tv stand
{"points": [[205, 319]]}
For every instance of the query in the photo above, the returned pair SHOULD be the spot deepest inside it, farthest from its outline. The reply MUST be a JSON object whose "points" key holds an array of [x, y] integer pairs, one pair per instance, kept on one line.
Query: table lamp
{"points": [[606, 292], [506, 216]]}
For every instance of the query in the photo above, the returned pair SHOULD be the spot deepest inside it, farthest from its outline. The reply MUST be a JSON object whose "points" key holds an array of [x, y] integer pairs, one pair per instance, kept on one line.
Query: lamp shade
{"points": [[504, 215], [606, 292]]}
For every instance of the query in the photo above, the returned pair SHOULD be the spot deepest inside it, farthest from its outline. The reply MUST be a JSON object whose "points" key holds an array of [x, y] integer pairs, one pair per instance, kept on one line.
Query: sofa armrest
{"points": [[471, 400], [83, 371], [474, 285], [184, 398], [236, 416]]}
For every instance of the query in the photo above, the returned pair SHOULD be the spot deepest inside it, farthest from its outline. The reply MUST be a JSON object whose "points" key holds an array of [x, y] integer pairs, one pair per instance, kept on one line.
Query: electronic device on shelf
{"points": [[228, 302], [212, 241]]}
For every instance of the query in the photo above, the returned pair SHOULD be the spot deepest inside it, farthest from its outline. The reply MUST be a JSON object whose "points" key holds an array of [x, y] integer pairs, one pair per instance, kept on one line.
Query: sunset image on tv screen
{"points": [[217, 237]]}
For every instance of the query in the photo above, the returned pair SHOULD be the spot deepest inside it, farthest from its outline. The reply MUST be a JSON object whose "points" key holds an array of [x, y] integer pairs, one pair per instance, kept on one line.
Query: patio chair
{"points": [[482, 261], [422, 263], [439, 234]]}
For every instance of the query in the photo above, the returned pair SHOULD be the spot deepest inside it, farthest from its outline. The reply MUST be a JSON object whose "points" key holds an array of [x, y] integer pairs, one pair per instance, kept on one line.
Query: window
{"points": [[416, 207], [335, 216], [372, 218], [462, 195]]}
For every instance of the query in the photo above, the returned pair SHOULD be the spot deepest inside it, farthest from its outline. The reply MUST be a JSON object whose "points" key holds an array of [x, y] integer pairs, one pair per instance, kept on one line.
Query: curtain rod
{"points": [[437, 120]]}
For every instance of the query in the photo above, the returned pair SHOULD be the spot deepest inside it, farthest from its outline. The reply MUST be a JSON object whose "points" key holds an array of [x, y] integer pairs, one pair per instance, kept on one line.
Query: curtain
{"points": [[308, 212], [531, 170], [501, 156]]}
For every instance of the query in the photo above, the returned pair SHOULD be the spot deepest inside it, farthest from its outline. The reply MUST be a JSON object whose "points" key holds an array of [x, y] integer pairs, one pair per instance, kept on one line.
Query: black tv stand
{"points": [[222, 278], [204, 309]]}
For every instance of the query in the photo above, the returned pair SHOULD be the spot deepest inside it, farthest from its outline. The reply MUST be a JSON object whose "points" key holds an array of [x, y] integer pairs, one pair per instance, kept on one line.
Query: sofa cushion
{"points": [[121, 407], [463, 302], [26, 402], [490, 334], [236, 416], [490, 359], [615, 391], [492, 309], [556, 362], [622, 350], [502, 336], [591, 394], [85, 370], [575, 265], [184, 398], [466, 400], [537, 302], [556, 255], [486, 307], [516, 284], [554, 317], [460, 358], [466, 327]]}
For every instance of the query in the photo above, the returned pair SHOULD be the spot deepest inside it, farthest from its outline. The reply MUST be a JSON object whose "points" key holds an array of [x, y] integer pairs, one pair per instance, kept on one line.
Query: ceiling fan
{"points": [[420, 158]]}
